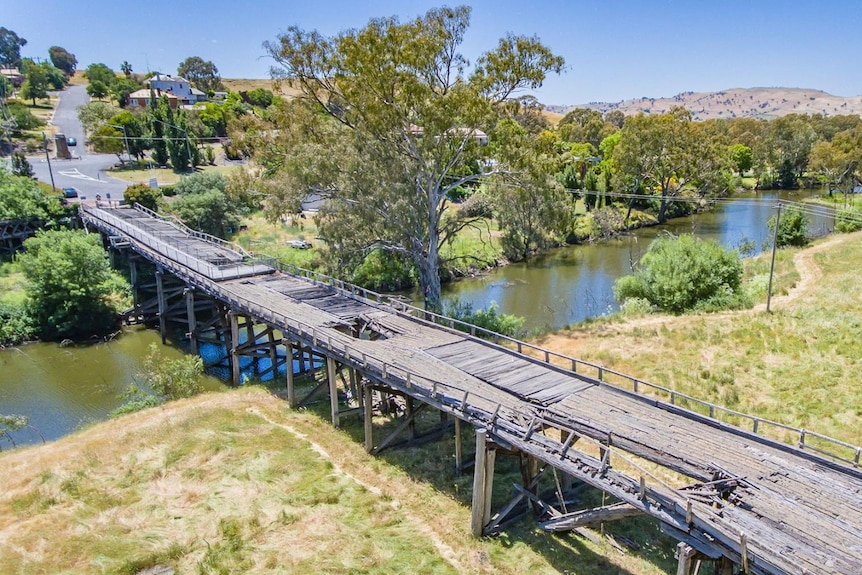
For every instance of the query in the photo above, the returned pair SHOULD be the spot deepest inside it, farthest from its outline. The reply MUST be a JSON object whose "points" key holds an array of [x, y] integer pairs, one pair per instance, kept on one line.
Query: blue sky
{"points": [[614, 50]]}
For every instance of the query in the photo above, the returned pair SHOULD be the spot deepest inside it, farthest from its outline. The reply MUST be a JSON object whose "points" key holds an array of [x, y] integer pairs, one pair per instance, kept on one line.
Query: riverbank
{"points": [[797, 365]]}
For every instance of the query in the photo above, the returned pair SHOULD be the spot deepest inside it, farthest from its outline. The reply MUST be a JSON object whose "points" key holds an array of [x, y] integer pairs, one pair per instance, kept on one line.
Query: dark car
{"points": [[71, 141], [70, 192]]}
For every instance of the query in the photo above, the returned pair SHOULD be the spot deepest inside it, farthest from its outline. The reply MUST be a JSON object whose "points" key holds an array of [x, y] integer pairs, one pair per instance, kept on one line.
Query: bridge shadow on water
{"points": [[631, 546]]}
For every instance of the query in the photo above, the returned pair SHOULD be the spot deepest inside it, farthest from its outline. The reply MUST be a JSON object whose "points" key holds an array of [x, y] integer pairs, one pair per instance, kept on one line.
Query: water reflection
{"points": [[575, 283]]}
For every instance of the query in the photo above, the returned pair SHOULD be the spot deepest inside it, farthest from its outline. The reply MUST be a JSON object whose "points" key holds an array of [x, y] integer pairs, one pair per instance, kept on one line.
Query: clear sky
{"points": [[614, 50]]}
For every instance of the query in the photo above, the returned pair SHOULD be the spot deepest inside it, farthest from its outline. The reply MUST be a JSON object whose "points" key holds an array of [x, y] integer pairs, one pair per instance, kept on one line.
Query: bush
{"points": [[16, 325], [847, 221], [679, 274], [144, 195], [384, 272], [476, 206], [792, 230], [490, 319], [69, 284]]}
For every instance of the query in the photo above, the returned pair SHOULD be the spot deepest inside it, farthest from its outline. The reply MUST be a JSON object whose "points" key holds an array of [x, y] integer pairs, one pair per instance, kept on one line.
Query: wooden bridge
{"points": [[738, 491]]}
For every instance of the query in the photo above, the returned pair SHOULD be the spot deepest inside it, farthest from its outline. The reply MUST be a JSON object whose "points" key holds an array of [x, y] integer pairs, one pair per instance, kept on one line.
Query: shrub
{"points": [[679, 274], [15, 324], [792, 230], [384, 271], [847, 221], [490, 319], [144, 195], [477, 206]]}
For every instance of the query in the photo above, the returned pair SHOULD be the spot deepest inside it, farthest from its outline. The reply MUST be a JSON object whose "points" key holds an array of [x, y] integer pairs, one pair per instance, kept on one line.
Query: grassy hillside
{"points": [[798, 365], [739, 103], [235, 483]]}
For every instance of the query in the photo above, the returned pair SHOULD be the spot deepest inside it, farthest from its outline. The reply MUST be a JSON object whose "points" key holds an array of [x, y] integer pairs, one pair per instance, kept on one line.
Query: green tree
{"points": [[173, 378], [532, 207], [260, 97], [108, 140], [101, 73], [211, 212], [386, 126], [35, 84], [678, 274], [121, 90], [97, 89], [69, 281], [24, 118], [742, 158], [94, 114], [126, 68], [666, 152], [199, 183], [10, 48], [792, 228], [22, 197], [135, 132], [20, 166], [159, 116], [839, 160], [63, 59], [144, 195], [201, 74]]}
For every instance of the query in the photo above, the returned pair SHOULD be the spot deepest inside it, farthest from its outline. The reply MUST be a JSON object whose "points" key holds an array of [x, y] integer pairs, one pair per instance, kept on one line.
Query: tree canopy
{"points": [[69, 280], [22, 197], [63, 59], [387, 124], [10, 48], [201, 74]]}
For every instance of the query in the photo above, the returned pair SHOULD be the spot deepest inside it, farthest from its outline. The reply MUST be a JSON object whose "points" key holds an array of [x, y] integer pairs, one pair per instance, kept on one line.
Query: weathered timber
{"points": [[799, 511], [589, 516]]}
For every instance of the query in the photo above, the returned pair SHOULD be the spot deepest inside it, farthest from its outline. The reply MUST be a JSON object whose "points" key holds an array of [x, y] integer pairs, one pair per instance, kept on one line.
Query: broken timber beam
{"points": [[577, 519]]}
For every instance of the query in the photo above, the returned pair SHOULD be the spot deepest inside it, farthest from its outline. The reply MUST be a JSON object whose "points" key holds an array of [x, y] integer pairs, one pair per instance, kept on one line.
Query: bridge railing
{"points": [[601, 375], [193, 233], [661, 396]]}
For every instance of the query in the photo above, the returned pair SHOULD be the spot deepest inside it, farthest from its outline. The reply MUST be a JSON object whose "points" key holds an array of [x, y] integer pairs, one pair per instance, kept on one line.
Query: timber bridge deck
{"points": [[740, 498]]}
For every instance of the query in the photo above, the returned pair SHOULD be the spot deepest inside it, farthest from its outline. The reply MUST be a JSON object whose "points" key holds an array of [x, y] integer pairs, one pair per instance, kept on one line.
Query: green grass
{"points": [[797, 365], [164, 176], [11, 284]]}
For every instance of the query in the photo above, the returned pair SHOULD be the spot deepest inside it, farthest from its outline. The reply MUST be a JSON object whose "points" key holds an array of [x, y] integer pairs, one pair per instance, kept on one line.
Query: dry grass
{"points": [[164, 176], [246, 84], [234, 482], [797, 365]]}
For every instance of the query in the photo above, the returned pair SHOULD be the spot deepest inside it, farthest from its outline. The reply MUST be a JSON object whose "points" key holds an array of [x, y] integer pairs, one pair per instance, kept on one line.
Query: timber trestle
{"points": [[740, 500]]}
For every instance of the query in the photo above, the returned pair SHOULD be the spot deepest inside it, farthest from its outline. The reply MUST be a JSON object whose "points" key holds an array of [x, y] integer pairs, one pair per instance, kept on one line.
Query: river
{"points": [[64, 388], [575, 283]]}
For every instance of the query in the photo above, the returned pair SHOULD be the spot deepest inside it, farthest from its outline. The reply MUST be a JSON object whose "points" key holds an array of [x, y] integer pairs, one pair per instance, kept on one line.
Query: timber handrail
{"points": [[191, 232], [822, 445]]}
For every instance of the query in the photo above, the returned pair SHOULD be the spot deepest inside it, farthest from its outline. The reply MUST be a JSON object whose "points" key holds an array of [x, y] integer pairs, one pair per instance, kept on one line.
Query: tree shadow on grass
{"points": [[629, 542]]}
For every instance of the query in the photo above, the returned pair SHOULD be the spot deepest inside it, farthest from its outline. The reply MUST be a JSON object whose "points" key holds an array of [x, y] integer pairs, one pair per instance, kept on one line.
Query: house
{"points": [[15, 77], [176, 85], [141, 98]]}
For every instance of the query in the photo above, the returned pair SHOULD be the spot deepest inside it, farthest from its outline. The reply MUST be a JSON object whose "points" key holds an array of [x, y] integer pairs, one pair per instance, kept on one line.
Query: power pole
{"points": [[772, 264], [48, 157]]}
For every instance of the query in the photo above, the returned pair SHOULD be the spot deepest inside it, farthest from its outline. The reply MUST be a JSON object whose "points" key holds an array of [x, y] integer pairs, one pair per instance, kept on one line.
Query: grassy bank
{"points": [[797, 365], [234, 482]]}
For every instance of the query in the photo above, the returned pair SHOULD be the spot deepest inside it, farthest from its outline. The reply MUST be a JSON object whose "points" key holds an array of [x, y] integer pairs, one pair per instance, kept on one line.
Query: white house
{"points": [[176, 85]]}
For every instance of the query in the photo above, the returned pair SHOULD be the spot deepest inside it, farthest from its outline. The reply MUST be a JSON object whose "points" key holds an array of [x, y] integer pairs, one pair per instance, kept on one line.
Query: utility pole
{"points": [[48, 157], [772, 264]]}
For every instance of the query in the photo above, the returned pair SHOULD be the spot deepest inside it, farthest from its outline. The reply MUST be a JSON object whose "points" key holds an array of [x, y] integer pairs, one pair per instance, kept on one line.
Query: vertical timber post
{"points": [[291, 388], [163, 305], [368, 407], [483, 483], [566, 481], [684, 555], [725, 566], [333, 390], [459, 456], [409, 414], [133, 278], [193, 324], [273, 354], [234, 345]]}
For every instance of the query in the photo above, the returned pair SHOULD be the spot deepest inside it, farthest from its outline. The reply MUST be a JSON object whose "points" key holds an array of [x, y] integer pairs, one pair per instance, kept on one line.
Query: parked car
{"points": [[70, 192], [71, 141]]}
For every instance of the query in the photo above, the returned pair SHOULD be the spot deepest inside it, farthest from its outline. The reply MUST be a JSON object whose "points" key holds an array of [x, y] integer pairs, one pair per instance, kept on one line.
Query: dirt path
{"points": [[387, 488], [809, 275]]}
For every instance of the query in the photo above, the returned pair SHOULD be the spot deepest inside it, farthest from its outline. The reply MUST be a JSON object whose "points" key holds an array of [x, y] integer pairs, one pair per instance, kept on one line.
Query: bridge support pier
{"points": [[483, 483]]}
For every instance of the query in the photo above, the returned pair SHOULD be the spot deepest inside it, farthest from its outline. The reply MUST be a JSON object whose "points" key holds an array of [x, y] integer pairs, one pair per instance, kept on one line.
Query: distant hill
{"points": [[735, 103]]}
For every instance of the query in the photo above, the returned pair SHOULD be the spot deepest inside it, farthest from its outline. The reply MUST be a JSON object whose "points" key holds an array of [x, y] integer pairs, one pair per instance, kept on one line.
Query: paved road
{"points": [[87, 172]]}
